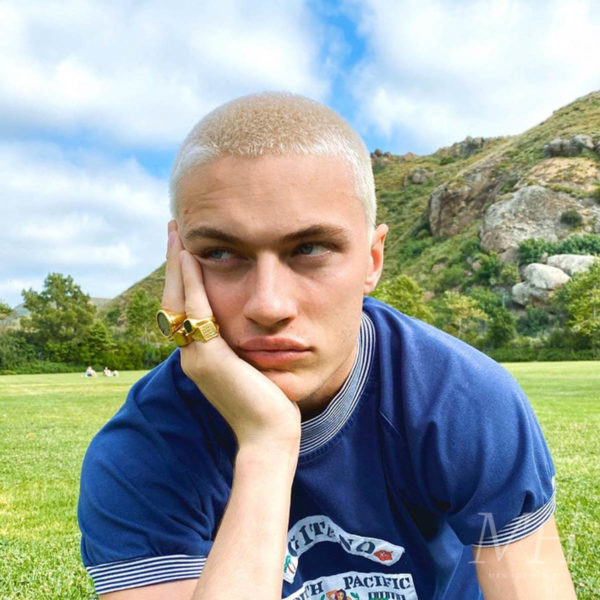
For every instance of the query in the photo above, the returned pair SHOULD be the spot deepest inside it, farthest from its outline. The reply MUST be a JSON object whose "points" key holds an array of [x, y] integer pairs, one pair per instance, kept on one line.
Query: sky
{"points": [[96, 95]]}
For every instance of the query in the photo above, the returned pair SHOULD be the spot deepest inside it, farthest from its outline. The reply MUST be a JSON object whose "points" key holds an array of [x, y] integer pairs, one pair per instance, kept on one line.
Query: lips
{"points": [[271, 352]]}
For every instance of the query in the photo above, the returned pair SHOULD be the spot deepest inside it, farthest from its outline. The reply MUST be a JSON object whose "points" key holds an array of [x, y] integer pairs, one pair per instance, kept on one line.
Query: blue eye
{"points": [[310, 249], [217, 254]]}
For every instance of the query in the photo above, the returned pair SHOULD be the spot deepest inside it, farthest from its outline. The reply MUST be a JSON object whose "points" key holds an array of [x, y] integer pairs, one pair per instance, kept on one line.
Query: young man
{"points": [[305, 442]]}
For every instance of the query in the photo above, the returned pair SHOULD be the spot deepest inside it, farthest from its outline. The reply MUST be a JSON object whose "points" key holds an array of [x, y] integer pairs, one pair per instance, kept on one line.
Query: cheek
{"points": [[224, 300]]}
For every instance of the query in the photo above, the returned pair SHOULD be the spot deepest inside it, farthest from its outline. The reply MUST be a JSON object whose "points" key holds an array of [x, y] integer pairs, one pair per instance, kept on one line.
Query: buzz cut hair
{"points": [[276, 123]]}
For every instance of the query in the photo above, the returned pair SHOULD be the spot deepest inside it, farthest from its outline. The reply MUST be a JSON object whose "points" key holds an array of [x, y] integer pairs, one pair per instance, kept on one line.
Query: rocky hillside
{"points": [[477, 200], [486, 196]]}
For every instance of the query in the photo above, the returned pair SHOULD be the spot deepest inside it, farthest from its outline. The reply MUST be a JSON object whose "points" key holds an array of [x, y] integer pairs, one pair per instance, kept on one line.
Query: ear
{"points": [[375, 258]]}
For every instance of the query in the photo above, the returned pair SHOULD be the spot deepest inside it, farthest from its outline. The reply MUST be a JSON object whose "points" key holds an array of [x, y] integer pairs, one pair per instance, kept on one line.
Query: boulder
{"points": [[463, 149], [545, 277], [571, 263], [581, 142], [419, 176], [557, 147], [571, 147], [540, 280], [524, 294], [530, 212]]}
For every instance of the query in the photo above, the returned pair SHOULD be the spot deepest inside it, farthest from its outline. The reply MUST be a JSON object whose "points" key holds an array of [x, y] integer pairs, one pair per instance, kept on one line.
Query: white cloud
{"points": [[142, 73], [437, 71], [102, 222]]}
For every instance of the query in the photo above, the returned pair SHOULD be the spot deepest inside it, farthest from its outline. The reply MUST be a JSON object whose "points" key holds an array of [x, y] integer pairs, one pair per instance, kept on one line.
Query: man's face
{"points": [[286, 259]]}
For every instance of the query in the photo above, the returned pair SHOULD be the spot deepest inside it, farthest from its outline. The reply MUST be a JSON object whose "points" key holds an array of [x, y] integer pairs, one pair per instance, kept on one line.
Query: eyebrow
{"points": [[318, 230]]}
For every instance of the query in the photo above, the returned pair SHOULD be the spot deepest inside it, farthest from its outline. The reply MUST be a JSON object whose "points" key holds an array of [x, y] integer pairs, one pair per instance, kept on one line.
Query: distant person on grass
{"points": [[305, 440], [89, 372]]}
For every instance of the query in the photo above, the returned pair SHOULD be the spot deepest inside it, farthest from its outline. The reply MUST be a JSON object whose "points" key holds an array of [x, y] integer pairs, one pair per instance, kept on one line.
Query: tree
{"points": [[96, 344], [501, 324], [141, 315], [5, 310], [462, 317], [580, 299], [60, 317], [405, 294]]}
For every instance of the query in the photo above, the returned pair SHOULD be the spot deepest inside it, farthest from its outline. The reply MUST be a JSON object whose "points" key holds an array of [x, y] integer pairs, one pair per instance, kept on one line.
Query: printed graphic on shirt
{"points": [[358, 586], [318, 528]]}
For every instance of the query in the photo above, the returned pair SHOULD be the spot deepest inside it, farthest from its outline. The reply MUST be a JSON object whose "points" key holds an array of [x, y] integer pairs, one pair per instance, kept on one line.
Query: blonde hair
{"points": [[276, 123]]}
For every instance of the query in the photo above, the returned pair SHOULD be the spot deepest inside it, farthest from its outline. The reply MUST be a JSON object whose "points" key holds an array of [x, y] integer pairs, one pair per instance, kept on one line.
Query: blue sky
{"points": [[96, 95]]}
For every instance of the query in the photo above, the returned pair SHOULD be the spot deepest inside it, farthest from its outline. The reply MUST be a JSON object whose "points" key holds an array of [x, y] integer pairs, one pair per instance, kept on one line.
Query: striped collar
{"points": [[320, 429]]}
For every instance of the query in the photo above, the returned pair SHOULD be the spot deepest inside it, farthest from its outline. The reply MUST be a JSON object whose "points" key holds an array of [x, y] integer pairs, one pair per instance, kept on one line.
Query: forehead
{"points": [[270, 194]]}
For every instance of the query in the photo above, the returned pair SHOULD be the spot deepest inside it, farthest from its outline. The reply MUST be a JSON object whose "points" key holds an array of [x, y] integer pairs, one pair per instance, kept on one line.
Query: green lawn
{"points": [[46, 422]]}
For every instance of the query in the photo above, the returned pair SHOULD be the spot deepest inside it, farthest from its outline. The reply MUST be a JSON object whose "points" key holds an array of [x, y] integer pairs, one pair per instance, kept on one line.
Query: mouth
{"points": [[265, 353]]}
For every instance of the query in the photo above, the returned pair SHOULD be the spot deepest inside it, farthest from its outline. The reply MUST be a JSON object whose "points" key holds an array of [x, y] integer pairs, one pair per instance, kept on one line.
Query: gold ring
{"points": [[200, 330], [169, 322], [181, 338]]}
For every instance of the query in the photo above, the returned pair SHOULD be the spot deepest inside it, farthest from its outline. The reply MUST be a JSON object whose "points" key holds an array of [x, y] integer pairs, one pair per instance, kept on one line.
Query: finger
{"points": [[196, 301], [173, 298]]}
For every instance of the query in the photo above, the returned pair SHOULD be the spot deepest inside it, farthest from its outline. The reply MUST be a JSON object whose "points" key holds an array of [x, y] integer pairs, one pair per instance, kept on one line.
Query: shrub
{"points": [[571, 218], [450, 277], [534, 321], [405, 294], [509, 185], [531, 250], [578, 244], [489, 272]]}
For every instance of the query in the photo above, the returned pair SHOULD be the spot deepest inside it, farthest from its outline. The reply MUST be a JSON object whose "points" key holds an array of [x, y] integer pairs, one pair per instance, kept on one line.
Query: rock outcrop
{"points": [[453, 206], [572, 147], [463, 149], [531, 212], [419, 176], [540, 280], [572, 263]]}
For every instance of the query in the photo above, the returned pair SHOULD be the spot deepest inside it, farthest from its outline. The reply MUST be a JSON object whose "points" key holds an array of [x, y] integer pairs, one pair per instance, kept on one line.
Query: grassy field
{"points": [[46, 422]]}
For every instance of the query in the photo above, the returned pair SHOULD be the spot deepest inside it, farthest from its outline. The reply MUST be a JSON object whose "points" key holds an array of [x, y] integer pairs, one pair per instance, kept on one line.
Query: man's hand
{"points": [[255, 408]]}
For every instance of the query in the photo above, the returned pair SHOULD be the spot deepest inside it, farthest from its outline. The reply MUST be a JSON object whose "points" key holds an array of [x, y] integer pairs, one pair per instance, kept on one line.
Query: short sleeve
{"points": [[485, 462], [142, 518]]}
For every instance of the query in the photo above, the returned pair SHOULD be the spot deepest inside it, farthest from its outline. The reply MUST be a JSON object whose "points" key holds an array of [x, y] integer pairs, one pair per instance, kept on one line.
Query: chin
{"points": [[290, 384], [310, 402]]}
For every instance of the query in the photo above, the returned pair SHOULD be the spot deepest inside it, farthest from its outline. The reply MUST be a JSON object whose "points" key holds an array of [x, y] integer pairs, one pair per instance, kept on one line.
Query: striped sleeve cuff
{"points": [[111, 577], [520, 527]]}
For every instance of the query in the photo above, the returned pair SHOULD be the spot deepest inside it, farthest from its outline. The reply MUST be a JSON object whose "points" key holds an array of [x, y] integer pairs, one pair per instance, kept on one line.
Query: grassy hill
{"points": [[403, 204]]}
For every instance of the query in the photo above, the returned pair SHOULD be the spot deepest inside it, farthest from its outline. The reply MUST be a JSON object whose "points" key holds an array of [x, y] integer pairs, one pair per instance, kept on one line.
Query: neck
{"points": [[314, 404]]}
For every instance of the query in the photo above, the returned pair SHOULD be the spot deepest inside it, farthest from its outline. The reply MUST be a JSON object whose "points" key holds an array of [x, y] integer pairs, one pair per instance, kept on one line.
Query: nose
{"points": [[270, 295]]}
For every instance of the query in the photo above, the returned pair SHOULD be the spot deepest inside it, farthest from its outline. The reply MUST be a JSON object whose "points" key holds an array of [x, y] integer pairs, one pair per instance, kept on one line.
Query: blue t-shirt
{"points": [[429, 448]]}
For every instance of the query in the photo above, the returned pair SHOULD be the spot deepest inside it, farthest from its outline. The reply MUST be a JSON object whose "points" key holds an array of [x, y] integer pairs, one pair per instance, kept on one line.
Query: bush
{"points": [[489, 272], [447, 160], [15, 351], [450, 277], [533, 322], [405, 294], [412, 248], [579, 244], [571, 218], [532, 249]]}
